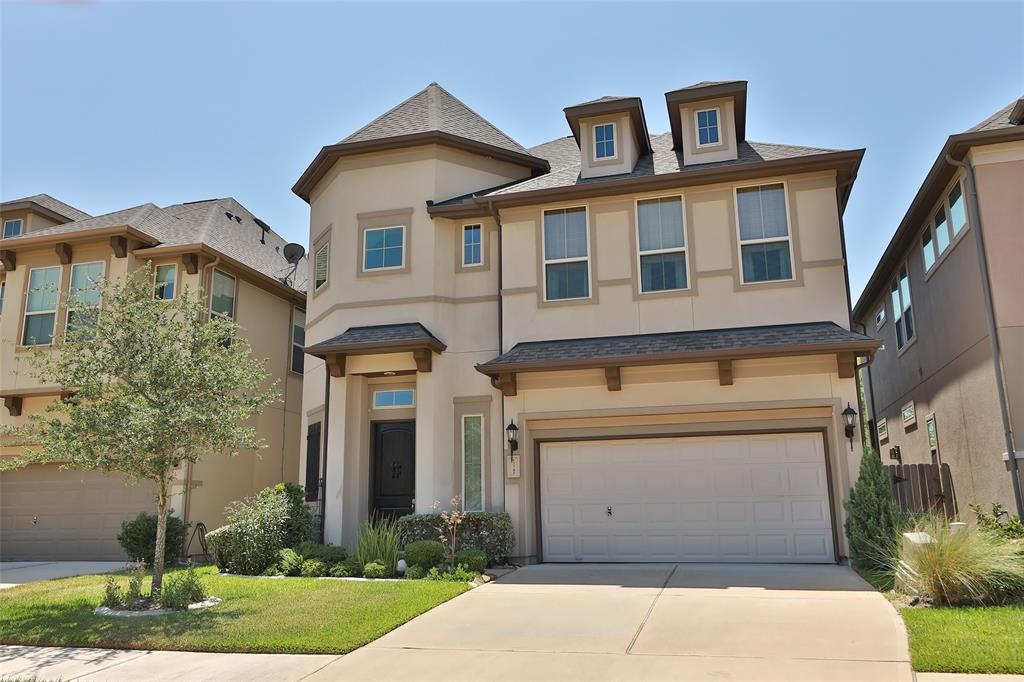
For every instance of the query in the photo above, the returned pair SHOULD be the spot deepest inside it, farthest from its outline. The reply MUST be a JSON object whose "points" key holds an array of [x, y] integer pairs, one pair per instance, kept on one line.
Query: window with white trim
{"points": [[472, 245], [387, 399], [222, 294], [899, 291], [321, 266], [298, 362], [3, 292], [473, 462], [707, 127], [927, 248], [12, 228], [661, 243], [566, 254], [83, 301], [164, 279], [880, 317], [41, 306], [941, 230], [957, 214], [604, 141], [384, 248], [765, 248]]}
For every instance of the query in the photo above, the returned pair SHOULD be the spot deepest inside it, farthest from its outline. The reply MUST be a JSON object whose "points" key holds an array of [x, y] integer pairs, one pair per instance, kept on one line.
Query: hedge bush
{"points": [[490, 532], [253, 537], [375, 570], [473, 559], [313, 568], [329, 554], [424, 554], [299, 525], [138, 538], [289, 562]]}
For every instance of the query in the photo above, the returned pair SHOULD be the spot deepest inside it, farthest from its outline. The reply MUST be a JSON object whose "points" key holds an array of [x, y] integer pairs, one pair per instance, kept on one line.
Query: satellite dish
{"points": [[293, 252]]}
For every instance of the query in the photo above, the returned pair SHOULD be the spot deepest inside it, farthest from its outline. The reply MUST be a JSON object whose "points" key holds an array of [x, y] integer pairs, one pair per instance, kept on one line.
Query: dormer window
{"points": [[707, 127], [604, 141]]}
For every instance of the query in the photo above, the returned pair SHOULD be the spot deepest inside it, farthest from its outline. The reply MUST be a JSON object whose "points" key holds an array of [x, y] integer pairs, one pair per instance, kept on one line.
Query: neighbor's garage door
{"points": [[47, 513], [754, 498]]}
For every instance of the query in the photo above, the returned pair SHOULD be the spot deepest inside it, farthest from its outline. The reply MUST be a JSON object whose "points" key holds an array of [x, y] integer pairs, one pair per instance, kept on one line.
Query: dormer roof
{"points": [[707, 90], [606, 105], [431, 116], [45, 205]]}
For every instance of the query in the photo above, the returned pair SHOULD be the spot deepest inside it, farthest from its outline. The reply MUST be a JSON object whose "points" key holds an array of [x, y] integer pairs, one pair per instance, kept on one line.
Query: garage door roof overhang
{"points": [[715, 345], [411, 337]]}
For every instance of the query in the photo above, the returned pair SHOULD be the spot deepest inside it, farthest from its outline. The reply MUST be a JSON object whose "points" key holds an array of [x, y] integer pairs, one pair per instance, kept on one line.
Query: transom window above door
{"points": [[386, 399], [765, 249], [604, 141], [384, 248], [662, 244], [566, 254]]}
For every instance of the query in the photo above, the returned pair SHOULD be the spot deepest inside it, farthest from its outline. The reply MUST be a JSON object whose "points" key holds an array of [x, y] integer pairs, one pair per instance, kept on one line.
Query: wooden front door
{"points": [[394, 468]]}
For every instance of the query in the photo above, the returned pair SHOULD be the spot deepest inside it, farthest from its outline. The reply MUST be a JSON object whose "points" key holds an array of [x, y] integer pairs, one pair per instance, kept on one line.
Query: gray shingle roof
{"points": [[381, 335], [637, 346], [599, 100], [704, 84], [434, 109], [1000, 119], [55, 205]]}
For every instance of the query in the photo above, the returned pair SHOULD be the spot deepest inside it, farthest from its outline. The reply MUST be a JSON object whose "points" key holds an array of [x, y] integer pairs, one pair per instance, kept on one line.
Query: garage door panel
{"points": [[755, 498]]}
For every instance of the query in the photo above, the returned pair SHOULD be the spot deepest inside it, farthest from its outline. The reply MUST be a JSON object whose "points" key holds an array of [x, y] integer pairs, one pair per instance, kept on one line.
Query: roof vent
{"points": [[228, 215]]}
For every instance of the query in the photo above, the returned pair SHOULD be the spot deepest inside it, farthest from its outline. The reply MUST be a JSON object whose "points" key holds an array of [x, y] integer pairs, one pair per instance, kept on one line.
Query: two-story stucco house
{"points": [[51, 250], [661, 321], [946, 300]]}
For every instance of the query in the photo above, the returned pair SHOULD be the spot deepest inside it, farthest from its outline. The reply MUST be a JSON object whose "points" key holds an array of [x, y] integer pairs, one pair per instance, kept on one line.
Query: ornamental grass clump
{"points": [[378, 543], [968, 566]]}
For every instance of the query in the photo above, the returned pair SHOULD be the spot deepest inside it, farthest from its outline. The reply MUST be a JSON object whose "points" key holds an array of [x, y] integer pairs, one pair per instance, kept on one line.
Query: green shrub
{"points": [[873, 522], [415, 572], [969, 566], [313, 568], [289, 562], [272, 571], [490, 532], [138, 538], [375, 569], [181, 589], [473, 559], [1010, 529], [253, 537], [342, 570], [299, 525], [378, 543], [133, 595], [112, 596], [331, 554], [424, 554], [218, 544], [459, 574]]}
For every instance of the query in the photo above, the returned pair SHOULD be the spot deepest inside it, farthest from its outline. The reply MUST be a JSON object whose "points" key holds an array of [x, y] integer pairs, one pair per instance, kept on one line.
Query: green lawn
{"points": [[984, 639], [292, 615]]}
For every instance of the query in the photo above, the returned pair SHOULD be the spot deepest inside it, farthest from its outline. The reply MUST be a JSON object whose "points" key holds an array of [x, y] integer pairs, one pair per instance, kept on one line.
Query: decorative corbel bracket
{"points": [[613, 378]]}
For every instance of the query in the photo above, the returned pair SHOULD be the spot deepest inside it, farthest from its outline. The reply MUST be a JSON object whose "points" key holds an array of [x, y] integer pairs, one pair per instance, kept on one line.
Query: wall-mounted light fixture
{"points": [[512, 432], [850, 419]]}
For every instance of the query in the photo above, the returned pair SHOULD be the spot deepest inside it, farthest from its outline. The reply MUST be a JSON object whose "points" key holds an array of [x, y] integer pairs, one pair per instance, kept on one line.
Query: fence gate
{"points": [[923, 488]]}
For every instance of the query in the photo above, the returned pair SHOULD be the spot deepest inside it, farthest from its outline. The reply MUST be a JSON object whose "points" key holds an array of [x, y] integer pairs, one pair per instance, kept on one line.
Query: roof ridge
{"points": [[482, 118]]}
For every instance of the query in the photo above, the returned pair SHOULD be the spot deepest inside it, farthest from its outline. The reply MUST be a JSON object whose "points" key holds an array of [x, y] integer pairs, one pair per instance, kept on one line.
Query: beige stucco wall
{"points": [[626, 152]]}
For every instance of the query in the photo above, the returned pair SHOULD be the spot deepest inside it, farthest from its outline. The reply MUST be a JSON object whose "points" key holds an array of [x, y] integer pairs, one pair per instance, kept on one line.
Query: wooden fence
{"points": [[919, 488]]}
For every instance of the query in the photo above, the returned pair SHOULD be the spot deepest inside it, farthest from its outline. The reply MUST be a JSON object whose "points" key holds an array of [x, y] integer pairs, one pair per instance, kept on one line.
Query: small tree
{"points": [[150, 385], [448, 530], [873, 522]]}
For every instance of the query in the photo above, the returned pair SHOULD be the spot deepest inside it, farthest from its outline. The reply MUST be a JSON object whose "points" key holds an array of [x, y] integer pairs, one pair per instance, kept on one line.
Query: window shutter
{"points": [[321, 266], [313, 462]]}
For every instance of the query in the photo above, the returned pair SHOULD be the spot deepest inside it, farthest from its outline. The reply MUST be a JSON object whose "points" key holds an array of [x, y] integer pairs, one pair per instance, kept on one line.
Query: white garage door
{"points": [[754, 498]]}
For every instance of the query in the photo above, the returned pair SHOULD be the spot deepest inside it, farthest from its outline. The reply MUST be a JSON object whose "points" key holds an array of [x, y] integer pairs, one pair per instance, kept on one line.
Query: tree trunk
{"points": [[161, 537]]}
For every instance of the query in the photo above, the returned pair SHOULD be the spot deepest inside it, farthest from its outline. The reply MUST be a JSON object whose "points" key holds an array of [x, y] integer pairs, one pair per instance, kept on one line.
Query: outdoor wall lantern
{"points": [[512, 431], [850, 417]]}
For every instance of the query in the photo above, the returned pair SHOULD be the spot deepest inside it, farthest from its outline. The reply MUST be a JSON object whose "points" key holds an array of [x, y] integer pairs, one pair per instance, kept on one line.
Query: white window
{"points": [[164, 281], [880, 317], [941, 231], [473, 462], [604, 141], [298, 340], [899, 291], [321, 266], [3, 291], [928, 248], [707, 127], [12, 228], [566, 254], [83, 301], [957, 215], [384, 248], [472, 245], [661, 243], [41, 306], [765, 249], [222, 295], [387, 399]]}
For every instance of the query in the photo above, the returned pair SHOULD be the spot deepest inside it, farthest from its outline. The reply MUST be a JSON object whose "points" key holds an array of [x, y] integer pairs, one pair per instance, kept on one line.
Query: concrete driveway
{"points": [[14, 573], [650, 622]]}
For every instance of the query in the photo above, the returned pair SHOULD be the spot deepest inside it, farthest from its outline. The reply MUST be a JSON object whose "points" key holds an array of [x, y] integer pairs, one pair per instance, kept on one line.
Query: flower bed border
{"points": [[125, 613]]}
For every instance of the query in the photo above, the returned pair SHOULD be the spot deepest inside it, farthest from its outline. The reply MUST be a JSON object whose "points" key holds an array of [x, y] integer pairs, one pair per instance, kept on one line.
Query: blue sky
{"points": [[109, 105]]}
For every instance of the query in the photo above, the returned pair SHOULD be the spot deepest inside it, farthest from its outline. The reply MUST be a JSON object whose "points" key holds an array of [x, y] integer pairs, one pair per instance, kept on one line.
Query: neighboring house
{"points": [[933, 389], [216, 246], [664, 318]]}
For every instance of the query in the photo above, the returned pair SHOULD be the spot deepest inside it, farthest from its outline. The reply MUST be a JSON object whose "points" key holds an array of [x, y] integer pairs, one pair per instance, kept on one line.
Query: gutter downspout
{"points": [[990, 320], [501, 344]]}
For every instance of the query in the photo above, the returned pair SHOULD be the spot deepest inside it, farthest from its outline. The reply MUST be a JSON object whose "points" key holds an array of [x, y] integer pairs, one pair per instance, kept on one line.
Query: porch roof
{"points": [[381, 338]]}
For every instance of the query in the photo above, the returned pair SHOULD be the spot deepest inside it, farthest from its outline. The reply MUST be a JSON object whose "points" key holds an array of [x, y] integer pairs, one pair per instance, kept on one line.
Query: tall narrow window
{"points": [[313, 462], [298, 340], [566, 254], [164, 284], [472, 462], [707, 127], [12, 228], [604, 141], [662, 244], [222, 299], [941, 231], [321, 266], [3, 292], [41, 306], [83, 301], [764, 233], [384, 248], [957, 215], [899, 291], [472, 245], [927, 248]]}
